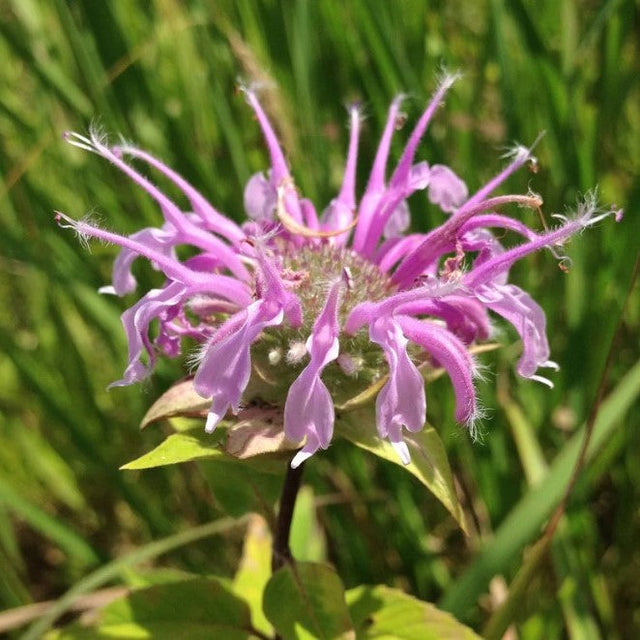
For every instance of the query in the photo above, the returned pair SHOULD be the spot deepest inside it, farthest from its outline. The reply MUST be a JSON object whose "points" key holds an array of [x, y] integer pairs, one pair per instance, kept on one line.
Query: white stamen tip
{"points": [[107, 290], [300, 457], [447, 78], [403, 451], [212, 421], [542, 380]]}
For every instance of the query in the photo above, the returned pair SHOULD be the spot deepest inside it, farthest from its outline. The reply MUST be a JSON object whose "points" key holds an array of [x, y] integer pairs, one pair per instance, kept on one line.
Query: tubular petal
{"points": [[136, 321], [213, 220], [309, 411], [402, 401], [451, 354], [527, 318], [225, 369]]}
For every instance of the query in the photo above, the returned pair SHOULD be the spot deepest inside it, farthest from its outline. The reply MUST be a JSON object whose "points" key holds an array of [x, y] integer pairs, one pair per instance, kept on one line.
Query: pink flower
{"points": [[324, 304]]}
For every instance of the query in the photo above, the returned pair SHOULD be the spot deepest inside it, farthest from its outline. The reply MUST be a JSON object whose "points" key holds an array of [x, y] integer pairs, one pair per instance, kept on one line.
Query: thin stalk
{"points": [[281, 554]]}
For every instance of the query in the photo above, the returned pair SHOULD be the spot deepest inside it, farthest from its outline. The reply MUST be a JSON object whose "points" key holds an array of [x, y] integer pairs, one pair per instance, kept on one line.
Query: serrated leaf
{"points": [[389, 614], [429, 462], [196, 609], [306, 601]]}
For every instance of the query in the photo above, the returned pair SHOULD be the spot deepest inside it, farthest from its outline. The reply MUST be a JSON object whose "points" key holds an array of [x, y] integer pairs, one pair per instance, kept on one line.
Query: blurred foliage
{"points": [[164, 74]]}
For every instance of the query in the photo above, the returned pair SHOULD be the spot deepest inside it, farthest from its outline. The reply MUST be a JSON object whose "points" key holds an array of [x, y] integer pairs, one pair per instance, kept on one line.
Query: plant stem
{"points": [[281, 554]]}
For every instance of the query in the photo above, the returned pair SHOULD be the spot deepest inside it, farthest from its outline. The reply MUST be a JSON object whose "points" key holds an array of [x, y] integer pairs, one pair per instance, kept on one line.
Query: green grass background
{"points": [[164, 74]]}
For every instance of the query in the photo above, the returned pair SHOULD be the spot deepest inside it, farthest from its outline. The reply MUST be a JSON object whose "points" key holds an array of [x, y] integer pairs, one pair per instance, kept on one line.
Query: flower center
{"points": [[309, 271]]}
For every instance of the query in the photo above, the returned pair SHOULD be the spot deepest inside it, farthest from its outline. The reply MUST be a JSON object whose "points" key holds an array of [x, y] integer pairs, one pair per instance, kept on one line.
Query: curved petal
{"points": [[189, 232], [465, 316], [395, 249], [404, 179], [309, 413], [260, 197], [225, 369], [501, 264], [447, 233], [136, 321], [528, 319], [398, 222], [376, 185], [402, 401], [309, 214], [278, 163], [309, 410], [367, 312], [160, 240], [337, 216], [452, 355], [403, 169], [213, 220], [446, 189]]}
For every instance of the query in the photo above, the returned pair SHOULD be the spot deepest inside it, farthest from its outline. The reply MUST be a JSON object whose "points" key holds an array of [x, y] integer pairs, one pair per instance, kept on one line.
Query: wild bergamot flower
{"points": [[323, 306]]}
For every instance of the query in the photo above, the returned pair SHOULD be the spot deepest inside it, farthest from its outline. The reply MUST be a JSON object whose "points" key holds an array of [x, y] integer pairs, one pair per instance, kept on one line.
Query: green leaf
{"points": [[180, 447], [429, 461], [255, 570], [389, 614], [307, 601], [180, 400], [245, 440], [307, 539], [112, 570], [240, 488], [255, 431], [197, 609]]}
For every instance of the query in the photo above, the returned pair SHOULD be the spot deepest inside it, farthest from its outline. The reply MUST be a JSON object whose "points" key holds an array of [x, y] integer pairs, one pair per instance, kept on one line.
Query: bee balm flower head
{"points": [[324, 305]]}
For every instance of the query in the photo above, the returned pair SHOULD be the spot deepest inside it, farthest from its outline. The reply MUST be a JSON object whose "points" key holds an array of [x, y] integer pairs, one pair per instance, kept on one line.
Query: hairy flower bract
{"points": [[325, 305]]}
